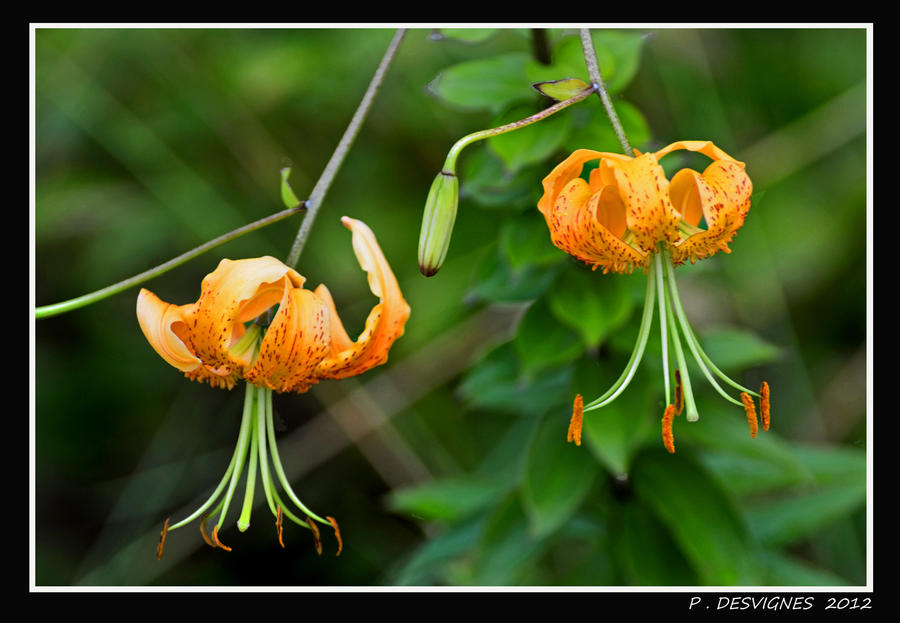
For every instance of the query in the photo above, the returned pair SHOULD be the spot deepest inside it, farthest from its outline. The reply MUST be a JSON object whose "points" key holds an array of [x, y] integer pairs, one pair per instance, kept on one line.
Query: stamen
{"points": [[218, 543], [162, 539], [668, 437], [576, 421], [279, 524], [764, 405], [679, 393], [203, 531], [751, 413], [337, 534], [316, 538]]}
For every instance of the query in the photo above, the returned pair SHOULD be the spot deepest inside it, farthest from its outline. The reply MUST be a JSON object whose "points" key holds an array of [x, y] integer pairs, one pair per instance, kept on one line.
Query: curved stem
{"points": [[86, 299], [250, 487], [690, 405], [263, 454], [663, 303], [638, 352], [590, 58], [453, 154], [331, 169], [243, 441]]}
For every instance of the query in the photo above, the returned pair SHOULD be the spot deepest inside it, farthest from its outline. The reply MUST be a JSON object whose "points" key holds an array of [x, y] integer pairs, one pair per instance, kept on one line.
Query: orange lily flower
{"points": [[628, 214], [255, 321]]}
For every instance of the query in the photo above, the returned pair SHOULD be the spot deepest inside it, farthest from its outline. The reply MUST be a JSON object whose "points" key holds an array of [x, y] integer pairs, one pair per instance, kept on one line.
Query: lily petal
{"points": [[385, 323], [156, 318]]}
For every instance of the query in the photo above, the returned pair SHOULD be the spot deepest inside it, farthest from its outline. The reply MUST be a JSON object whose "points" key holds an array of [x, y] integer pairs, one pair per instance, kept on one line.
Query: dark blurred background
{"points": [[150, 142]]}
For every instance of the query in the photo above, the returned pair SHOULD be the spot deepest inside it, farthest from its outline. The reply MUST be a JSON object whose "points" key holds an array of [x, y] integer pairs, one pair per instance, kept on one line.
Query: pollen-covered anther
{"points": [[679, 393], [576, 422], [751, 413], [337, 534], [162, 539], [668, 436], [217, 542], [317, 540], [279, 525], [764, 405]]}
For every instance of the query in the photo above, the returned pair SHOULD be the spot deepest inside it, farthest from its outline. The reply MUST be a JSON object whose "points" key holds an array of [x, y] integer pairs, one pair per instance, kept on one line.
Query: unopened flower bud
{"points": [[437, 222]]}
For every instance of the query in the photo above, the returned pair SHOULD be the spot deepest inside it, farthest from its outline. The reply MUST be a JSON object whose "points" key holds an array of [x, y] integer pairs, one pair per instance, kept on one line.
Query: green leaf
{"points": [[496, 281], [468, 35], [495, 383], [448, 498], [485, 179], [645, 552], [543, 342], [795, 518], [561, 90], [557, 476], [700, 517], [782, 570], [287, 194], [593, 304], [507, 551], [525, 240], [428, 566], [532, 143], [484, 84], [736, 349]]}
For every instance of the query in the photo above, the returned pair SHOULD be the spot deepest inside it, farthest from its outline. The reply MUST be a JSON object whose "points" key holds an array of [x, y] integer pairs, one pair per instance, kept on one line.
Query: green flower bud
{"points": [[437, 222]]}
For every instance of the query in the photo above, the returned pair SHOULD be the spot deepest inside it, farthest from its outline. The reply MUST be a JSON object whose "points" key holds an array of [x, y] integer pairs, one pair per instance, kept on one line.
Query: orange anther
{"points": [[668, 437], [337, 534], [751, 413], [203, 532], [679, 393], [218, 543], [765, 407], [576, 421], [162, 539], [279, 524], [316, 539]]}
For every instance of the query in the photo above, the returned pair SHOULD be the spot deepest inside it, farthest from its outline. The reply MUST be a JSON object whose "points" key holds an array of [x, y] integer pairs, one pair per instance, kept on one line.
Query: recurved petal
{"points": [[385, 323], [722, 196], [566, 171], [237, 291], [577, 223], [297, 339], [157, 319], [707, 148]]}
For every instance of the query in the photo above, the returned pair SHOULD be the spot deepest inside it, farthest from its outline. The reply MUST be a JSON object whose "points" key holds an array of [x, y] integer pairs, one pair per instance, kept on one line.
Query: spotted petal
{"points": [[385, 323]]}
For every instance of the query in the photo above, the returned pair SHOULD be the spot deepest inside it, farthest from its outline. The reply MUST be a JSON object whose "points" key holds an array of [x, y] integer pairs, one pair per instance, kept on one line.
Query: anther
{"points": [[315, 531], [279, 525], [337, 534], [751, 413], [162, 539], [576, 421], [679, 393], [764, 405], [218, 543], [668, 437], [203, 531]]}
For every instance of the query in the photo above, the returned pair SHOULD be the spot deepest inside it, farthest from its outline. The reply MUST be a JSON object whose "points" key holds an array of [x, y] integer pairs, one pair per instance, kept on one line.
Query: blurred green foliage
{"points": [[451, 466]]}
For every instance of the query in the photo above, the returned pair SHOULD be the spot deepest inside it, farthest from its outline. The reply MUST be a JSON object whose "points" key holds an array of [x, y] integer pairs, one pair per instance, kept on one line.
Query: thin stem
{"points": [[686, 331], [692, 413], [638, 352], [263, 454], [331, 169], [453, 154], [276, 461], [248, 399], [662, 299], [243, 441], [93, 297], [590, 58], [250, 487]]}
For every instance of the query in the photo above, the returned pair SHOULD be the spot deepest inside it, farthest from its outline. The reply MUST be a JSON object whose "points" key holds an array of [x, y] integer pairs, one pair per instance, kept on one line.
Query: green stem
{"points": [[87, 299], [699, 356], [243, 441], [638, 352], [250, 487], [276, 461], [331, 169], [690, 405], [263, 454], [453, 154], [662, 299], [590, 59]]}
